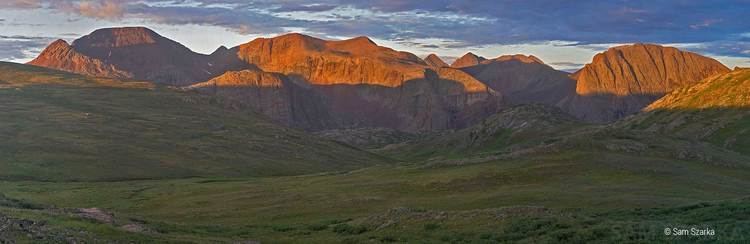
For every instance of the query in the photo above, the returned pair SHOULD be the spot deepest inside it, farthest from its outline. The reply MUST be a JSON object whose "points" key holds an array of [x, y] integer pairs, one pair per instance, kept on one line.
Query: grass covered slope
{"points": [[715, 110], [58, 126]]}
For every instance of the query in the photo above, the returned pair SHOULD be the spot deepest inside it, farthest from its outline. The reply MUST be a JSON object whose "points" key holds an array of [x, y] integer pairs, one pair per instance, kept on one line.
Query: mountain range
{"points": [[317, 84], [126, 136]]}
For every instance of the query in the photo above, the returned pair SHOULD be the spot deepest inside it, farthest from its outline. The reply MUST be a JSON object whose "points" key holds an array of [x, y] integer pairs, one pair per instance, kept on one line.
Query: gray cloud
{"points": [[97, 9], [305, 8], [20, 47], [566, 64], [470, 23], [722, 48]]}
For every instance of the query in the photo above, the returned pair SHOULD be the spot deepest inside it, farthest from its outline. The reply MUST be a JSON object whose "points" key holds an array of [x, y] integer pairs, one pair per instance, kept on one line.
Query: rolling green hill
{"points": [[57, 126], [715, 110]]}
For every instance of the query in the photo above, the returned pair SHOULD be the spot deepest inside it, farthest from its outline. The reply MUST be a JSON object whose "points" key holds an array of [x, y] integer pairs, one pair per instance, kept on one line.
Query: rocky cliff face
{"points": [[366, 85], [274, 95], [434, 61], [469, 59], [354, 62], [137, 53], [61, 56], [643, 69], [625, 79], [436, 102]]}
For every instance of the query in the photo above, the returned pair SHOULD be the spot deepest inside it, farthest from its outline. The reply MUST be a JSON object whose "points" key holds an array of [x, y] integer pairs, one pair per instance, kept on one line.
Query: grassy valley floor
{"points": [[571, 197]]}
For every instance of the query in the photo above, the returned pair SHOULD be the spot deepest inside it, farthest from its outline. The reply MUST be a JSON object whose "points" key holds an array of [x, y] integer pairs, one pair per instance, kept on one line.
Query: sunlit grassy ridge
{"points": [[715, 110]]}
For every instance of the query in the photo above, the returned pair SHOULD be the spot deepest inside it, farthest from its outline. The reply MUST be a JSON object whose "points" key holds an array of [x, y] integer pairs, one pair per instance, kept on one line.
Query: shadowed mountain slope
{"points": [[523, 79], [60, 126], [274, 95], [509, 131], [135, 52]]}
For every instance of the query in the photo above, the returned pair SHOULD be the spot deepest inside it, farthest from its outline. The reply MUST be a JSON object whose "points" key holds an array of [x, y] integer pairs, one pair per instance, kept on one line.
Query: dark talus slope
{"points": [[625, 79], [135, 52], [511, 131], [523, 79], [62, 126]]}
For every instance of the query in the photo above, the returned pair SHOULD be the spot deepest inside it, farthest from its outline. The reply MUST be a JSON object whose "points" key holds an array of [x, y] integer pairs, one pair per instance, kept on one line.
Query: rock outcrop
{"points": [[643, 69], [434, 61], [435, 102], [61, 56], [625, 79], [355, 61], [366, 85]]}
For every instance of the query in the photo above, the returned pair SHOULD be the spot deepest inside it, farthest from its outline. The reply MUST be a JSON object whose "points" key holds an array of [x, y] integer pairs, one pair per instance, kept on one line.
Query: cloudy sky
{"points": [[564, 34]]}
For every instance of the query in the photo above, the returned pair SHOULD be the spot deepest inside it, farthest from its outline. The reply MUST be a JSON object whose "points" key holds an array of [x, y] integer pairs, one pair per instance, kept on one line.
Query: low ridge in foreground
{"points": [[58, 126]]}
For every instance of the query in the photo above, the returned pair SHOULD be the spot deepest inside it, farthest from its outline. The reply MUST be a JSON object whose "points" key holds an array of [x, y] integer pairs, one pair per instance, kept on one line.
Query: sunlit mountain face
{"points": [[374, 121]]}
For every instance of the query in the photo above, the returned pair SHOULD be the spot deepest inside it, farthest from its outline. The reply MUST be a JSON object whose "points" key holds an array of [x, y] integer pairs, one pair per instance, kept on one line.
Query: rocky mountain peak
{"points": [[118, 37], [434, 61], [362, 40], [61, 56], [59, 43], [220, 50], [643, 69], [469, 59], [519, 57]]}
